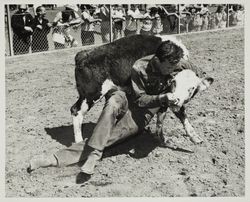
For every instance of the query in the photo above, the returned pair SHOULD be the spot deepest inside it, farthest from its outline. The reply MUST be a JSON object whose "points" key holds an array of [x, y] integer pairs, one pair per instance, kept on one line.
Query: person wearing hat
{"points": [[221, 17], [21, 23], [118, 17], [88, 25], [197, 22], [132, 24], [64, 20], [41, 27], [146, 25], [104, 15]]}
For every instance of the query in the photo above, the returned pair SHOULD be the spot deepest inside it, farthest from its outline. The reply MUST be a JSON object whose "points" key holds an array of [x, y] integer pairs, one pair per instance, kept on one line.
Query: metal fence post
{"points": [[110, 24], [179, 19], [9, 30], [227, 15]]}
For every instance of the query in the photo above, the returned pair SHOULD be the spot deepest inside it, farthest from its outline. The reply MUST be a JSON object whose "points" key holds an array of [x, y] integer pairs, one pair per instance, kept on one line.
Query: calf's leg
{"points": [[161, 114], [181, 114], [78, 110]]}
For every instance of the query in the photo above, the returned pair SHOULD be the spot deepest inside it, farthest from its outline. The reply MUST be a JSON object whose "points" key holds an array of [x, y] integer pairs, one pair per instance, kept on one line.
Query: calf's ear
{"points": [[205, 83]]}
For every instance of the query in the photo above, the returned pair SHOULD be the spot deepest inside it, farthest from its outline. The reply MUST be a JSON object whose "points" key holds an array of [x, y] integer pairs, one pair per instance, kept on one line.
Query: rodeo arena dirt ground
{"points": [[40, 89]]}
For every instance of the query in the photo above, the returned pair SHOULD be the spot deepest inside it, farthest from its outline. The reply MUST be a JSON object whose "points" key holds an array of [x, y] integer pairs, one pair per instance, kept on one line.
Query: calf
{"points": [[184, 86], [109, 66]]}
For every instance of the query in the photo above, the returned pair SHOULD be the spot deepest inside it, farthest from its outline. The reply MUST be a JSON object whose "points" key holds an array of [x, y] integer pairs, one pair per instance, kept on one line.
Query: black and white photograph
{"points": [[123, 99]]}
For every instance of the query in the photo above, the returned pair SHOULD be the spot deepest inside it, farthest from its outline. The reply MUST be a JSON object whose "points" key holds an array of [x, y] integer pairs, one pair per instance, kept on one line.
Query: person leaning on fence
{"points": [[88, 25], [125, 113], [157, 26], [146, 27], [21, 23], [236, 15], [151, 22], [131, 20], [197, 22], [63, 21], [118, 16], [212, 21], [205, 20], [104, 15], [221, 17], [41, 27]]}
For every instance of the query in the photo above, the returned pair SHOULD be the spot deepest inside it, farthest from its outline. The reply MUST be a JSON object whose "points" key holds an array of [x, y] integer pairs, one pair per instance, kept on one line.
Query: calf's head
{"points": [[185, 85]]}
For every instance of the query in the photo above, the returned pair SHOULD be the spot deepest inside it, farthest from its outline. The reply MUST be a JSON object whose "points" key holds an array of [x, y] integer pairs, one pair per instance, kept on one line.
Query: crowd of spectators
{"points": [[29, 31], [199, 17]]}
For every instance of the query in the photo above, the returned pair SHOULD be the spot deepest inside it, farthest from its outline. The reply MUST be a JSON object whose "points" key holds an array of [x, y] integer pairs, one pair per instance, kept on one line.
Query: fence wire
{"points": [[104, 23]]}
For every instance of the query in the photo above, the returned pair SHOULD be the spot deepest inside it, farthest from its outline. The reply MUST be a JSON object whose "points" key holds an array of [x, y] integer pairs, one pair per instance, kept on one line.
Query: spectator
{"points": [[41, 27], [197, 22], [88, 25], [104, 15], [172, 19], [118, 17], [205, 21], [240, 15], [146, 28], [21, 23], [236, 15], [192, 22], [63, 20], [185, 17], [185, 21], [204, 9], [221, 17], [131, 21], [212, 21], [157, 26], [182, 8]]}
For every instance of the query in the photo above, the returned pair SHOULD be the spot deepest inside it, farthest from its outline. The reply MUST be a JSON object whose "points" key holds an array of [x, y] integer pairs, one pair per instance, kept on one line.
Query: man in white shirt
{"points": [[88, 25], [132, 16], [65, 19]]}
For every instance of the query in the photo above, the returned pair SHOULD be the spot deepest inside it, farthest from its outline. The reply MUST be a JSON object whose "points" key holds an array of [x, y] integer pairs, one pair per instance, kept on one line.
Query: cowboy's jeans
{"points": [[118, 120]]}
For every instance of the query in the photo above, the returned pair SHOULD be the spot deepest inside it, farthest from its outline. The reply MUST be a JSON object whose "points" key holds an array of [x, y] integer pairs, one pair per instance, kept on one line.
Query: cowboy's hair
{"points": [[168, 50]]}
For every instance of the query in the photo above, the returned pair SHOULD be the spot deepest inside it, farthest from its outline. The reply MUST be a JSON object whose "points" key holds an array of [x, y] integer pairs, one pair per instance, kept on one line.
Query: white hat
{"points": [[23, 6], [72, 6]]}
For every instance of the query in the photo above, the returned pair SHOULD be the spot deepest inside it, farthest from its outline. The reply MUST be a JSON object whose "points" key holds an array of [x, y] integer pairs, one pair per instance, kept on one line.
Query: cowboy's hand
{"points": [[39, 26], [29, 29], [168, 99]]}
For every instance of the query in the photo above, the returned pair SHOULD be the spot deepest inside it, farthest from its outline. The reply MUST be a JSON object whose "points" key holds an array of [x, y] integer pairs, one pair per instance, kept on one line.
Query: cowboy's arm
{"points": [[142, 98]]}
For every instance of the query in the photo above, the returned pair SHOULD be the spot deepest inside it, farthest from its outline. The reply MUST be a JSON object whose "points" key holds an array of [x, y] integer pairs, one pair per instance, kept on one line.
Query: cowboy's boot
{"points": [[42, 161]]}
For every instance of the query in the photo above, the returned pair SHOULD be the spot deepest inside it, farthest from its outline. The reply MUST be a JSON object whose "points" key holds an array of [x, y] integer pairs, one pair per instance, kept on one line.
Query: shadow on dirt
{"points": [[65, 135], [140, 144], [137, 146]]}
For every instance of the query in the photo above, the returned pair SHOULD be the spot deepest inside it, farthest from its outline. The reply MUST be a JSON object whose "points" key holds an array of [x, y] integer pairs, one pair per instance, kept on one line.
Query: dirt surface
{"points": [[40, 90]]}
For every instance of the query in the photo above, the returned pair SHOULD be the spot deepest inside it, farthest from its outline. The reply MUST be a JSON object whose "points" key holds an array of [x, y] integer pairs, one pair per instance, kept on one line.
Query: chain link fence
{"points": [[51, 27]]}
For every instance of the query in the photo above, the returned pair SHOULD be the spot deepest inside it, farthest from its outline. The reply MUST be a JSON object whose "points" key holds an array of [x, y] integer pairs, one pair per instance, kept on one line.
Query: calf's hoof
{"points": [[41, 161], [196, 139], [168, 144]]}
